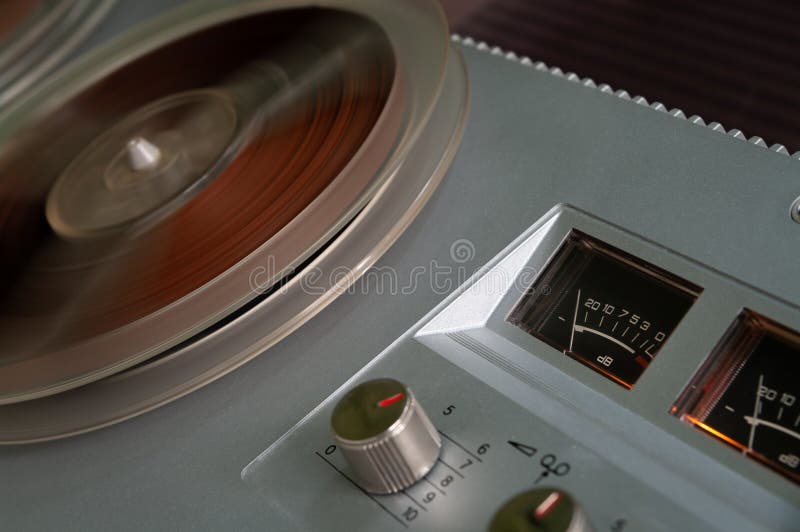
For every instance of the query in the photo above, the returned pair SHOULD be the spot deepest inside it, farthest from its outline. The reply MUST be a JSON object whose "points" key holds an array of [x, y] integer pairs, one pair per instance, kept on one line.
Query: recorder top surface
{"points": [[617, 209]]}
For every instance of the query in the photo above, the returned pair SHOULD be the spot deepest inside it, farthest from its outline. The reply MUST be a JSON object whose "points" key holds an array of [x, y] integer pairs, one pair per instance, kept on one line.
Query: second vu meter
{"points": [[746, 394]]}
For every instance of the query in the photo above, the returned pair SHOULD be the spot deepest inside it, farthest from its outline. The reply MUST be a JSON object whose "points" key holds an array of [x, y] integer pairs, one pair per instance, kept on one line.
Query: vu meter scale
{"points": [[608, 310], [603, 308]]}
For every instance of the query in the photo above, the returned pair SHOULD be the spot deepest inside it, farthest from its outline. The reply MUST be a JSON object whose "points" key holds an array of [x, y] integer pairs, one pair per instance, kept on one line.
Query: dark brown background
{"points": [[731, 61]]}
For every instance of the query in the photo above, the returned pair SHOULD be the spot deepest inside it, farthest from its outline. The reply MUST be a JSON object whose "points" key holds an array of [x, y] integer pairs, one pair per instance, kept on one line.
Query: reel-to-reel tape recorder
{"points": [[566, 308]]}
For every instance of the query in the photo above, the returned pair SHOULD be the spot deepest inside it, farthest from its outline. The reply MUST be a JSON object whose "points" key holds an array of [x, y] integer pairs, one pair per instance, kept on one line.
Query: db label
{"points": [[605, 360]]}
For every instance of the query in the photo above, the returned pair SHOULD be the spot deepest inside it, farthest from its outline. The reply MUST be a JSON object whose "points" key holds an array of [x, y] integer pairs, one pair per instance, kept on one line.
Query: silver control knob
{"points": [[541, 510], [385, 435]]}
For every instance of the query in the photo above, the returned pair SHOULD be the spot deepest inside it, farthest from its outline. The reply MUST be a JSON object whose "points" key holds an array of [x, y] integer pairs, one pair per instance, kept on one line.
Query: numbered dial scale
{"points": [[603, 307], [746, 394]]}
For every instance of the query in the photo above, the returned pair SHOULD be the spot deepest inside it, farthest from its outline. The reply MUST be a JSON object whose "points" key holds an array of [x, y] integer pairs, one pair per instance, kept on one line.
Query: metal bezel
{"points": [[525, 357]]}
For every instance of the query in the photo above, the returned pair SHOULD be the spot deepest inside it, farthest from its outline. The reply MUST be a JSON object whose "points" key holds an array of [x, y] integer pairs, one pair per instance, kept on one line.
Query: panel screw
{"points": [[796, 210]]}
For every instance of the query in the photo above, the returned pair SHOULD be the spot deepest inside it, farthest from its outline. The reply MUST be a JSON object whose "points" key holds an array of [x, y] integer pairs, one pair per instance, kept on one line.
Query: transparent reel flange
{"points": [[35, 35], [92, 380]]}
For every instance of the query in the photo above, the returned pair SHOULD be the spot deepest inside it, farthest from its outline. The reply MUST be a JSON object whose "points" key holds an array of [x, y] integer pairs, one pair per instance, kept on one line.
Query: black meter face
{"points": [[604, 308], [746, 393]]}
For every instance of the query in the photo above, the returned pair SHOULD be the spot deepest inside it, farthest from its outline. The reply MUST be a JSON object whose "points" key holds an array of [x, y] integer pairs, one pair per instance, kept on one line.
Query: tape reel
{"points": [[171, 232]]}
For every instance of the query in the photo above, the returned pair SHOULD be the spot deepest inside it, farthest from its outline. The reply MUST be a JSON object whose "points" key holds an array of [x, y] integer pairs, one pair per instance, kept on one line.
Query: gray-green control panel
{"points": [[515, 413]]}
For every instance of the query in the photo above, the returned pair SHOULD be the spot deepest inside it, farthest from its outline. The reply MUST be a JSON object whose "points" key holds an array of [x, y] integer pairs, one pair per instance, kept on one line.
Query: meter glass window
{"points": [[604, 307], [746, 393]]}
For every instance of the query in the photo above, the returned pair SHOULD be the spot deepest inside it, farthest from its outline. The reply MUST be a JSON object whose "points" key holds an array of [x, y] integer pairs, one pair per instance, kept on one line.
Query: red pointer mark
{"points": [[391, 400], [547, 506]]}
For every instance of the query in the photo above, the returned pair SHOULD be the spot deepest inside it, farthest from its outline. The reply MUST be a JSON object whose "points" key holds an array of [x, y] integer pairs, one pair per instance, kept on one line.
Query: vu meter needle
{"points": [[753, 423], [574, 320]]}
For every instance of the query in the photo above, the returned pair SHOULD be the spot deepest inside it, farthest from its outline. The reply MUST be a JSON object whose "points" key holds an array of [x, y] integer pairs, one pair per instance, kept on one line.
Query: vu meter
{"points": [[604, 307], [746, 394]]}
